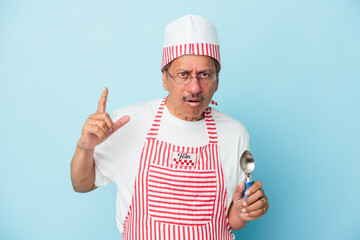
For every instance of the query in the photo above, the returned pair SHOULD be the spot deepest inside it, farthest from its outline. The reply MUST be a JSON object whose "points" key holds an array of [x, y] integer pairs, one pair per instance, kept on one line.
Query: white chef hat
{"points": [[190, 34]]}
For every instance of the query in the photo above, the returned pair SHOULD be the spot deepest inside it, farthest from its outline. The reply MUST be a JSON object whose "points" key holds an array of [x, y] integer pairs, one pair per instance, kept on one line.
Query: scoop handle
{"points": [[247, 186]]}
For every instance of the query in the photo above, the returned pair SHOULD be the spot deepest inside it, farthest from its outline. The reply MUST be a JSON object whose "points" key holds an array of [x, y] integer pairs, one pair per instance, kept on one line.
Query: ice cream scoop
{"points": [[247, 165]]}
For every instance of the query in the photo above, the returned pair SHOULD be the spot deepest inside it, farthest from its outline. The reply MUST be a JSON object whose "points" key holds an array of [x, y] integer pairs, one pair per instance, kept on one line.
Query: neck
{"points": [[184, 117]]}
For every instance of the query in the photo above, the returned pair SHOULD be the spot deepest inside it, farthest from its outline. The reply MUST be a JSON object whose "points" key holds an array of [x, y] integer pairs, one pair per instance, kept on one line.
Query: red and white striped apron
{"points": [[179, 191]]}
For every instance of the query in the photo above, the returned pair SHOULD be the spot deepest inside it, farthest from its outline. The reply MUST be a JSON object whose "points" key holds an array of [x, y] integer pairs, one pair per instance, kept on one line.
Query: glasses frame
{"points": [[190, 78]]}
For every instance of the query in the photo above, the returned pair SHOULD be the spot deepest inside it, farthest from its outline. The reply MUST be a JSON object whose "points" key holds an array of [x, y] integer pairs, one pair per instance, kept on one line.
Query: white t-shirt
{"points": [[117, 159]]}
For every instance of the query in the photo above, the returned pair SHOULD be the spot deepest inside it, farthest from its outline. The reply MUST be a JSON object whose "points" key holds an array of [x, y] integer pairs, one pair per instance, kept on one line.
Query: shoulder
{"points": [[228, 125], [133, 132], [141, 109]]}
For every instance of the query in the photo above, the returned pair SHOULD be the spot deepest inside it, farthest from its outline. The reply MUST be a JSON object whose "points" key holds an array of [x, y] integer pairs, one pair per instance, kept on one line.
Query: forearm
{"points": [[83, 170], [235, 222]]}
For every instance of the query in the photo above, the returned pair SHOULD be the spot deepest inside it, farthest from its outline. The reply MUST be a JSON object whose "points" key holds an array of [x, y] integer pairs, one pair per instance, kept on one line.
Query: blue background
{"points": [[290, 74]]}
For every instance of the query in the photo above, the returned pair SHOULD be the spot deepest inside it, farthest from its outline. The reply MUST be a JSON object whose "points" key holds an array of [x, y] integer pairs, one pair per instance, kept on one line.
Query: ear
{"points": [[165, 81], [217, 84]]}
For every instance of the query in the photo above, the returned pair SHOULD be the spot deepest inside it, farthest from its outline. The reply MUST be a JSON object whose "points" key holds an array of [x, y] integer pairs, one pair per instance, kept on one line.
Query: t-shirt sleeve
{"points": [[104, 159], [103, 164], [117, 158]]}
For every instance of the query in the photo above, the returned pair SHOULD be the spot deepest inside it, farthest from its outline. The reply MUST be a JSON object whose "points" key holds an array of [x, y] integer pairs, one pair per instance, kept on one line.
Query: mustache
{"points": [[197, 97]]}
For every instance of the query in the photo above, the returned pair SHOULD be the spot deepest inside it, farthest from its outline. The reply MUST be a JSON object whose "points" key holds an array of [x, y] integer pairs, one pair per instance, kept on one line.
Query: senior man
{"points": [[176, 162]]}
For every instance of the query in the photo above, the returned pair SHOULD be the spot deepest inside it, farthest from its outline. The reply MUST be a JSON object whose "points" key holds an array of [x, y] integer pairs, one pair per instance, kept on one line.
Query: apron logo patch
{"points": [[184, 159]]}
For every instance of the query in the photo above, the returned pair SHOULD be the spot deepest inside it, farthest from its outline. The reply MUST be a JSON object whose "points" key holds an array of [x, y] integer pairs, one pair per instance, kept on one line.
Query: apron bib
{"points": [[179, 191]]}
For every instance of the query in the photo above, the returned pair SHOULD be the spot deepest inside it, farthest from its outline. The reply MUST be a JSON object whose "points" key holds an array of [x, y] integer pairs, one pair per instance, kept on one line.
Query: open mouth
{"points": [[193, 102]]}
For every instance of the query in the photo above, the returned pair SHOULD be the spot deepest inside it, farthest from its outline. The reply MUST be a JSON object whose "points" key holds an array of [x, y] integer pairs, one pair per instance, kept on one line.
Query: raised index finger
{"points": [[102, 101]]}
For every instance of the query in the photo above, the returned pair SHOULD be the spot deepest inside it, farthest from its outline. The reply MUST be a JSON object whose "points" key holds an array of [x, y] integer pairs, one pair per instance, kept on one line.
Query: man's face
{"points": [[188, 102]]}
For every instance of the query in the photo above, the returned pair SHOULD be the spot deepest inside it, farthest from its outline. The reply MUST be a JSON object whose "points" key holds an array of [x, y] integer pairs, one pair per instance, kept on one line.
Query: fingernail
{"points": [[244, 204], [247, 193], [243, 210]]}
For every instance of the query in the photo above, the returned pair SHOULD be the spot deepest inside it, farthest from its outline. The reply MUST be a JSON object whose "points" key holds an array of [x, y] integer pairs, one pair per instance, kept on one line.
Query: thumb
{"points": [[239, 192], [120, 123]]}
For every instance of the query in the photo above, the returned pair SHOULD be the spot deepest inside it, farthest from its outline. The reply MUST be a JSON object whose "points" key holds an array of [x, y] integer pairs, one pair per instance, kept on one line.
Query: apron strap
{"points": [[211, 126], [152, 134]]}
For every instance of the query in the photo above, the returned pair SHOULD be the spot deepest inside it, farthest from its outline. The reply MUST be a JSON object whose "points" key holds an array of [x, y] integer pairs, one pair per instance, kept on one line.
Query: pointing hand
{"points": [[99, 126]]}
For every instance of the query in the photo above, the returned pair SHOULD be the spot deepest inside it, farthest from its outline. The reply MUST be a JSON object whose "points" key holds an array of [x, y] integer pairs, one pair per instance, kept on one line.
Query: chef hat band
{"points": [[192, 35]]}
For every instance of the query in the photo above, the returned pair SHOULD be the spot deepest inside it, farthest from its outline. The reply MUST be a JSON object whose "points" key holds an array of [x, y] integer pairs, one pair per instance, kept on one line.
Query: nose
{"points": [[194, 86]]}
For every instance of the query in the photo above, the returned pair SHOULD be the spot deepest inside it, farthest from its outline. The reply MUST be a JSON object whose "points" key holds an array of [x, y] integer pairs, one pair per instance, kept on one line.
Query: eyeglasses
{"points": [[185, 78]]}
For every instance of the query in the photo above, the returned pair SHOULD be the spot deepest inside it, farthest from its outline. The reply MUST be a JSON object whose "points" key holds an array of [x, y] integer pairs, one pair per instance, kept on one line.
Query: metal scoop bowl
{"points": [[247, 165]]}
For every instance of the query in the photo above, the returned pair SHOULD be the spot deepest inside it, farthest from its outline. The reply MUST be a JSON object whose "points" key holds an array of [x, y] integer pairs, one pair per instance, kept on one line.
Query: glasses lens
{"points": [[207, 77], [182, 80]]}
